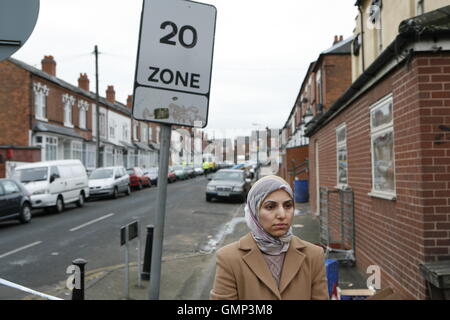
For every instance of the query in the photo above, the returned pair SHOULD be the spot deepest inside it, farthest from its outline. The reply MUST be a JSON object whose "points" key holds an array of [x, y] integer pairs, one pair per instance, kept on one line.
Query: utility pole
{"points": [[97, 111]]}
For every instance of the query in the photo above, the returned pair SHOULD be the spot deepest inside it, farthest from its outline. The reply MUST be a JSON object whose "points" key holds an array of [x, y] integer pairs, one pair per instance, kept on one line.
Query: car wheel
{"points": [[59, 207], [115, 193], [208, 198], [81, 200], [25, 213], [140, 185]]}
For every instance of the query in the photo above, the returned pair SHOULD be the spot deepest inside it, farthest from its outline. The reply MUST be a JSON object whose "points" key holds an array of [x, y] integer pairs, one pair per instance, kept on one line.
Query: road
{"points": [[37, 255]]}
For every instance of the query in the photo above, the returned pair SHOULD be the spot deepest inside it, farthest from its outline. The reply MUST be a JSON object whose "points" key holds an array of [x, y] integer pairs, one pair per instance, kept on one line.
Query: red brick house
{"points": [[326, 79], [387, 138]]}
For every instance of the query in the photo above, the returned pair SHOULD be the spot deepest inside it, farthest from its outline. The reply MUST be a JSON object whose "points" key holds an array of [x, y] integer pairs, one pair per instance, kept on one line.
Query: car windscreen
{"points": [[130, 171], [229, 176], [101, 174], [32, 174]]}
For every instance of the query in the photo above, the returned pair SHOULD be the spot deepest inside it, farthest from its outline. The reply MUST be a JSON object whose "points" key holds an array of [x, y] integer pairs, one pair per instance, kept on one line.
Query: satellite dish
{"points": [[17, 21]]}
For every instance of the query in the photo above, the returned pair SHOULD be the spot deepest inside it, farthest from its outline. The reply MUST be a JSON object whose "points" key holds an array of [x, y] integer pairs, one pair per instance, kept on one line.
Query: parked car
{"points": [[15, 202], [180, 172], [54, 184], [138, 179], [152, 173], [190, 171], [198, 170], [109, 182], [171, 176], [228, 183]]}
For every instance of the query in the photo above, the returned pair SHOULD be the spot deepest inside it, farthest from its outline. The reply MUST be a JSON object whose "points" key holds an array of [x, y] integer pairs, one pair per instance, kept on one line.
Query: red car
{"points": [[138, 179], [171, 176]]}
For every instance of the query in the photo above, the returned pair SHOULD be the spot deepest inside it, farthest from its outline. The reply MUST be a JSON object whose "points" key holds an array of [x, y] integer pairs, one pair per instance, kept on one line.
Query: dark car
{"points": [[152, 173], [137, 178], [228, 183], [15, 201]]}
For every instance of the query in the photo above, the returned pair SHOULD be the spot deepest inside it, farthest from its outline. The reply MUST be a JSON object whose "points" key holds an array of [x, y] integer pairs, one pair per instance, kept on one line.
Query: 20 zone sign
{"points": [[174, 56]]}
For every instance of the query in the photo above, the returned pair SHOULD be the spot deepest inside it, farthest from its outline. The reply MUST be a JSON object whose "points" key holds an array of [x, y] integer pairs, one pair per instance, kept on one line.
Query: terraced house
{"points": [[46, 118], [386, 140]]}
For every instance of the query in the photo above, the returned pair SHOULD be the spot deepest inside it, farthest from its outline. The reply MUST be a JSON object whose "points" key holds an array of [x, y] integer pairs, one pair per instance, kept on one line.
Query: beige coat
{"points": [[243, 274]]}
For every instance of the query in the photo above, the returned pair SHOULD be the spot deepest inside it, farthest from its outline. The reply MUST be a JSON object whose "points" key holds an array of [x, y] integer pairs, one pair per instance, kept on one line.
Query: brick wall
{"points": [[398, 235], [14, 105]]}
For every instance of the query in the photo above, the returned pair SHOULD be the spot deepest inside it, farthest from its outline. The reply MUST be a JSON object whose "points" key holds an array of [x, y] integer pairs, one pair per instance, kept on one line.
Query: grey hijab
{"points": [[261, 189]]}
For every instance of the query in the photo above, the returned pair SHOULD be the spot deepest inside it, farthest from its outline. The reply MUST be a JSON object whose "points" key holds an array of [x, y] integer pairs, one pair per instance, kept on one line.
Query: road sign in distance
{"points": [[174, 64]]}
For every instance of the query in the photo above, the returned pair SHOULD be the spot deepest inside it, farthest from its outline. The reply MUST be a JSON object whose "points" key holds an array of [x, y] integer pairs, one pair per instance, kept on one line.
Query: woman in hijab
{"points": [[270, 263]]}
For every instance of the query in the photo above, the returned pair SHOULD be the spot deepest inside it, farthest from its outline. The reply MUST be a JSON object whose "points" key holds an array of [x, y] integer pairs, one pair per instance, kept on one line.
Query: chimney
{"points": [[130, 101], [338, 39], [111, 94], [83, 81], [49, 65], [341, 38]]}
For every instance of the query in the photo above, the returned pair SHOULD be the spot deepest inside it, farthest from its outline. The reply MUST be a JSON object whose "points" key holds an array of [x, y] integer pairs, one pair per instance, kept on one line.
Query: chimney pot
{"points": [[111, 94], [49, 65], [130, 101], [83, 81]]}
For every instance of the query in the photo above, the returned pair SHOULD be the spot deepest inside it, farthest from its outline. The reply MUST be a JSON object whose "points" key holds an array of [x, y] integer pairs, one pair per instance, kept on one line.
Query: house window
{"points": [[150, 133], [77, 150], [420, 7], [144, 137], [319, 88], [83, 108], [102, 120], [125, 132], [68, 102], [109, 159], [341, 150], [40, 101], [112, 129], [135, 130], [90, 156], [382, 147], [51, 146], [157, 134]]}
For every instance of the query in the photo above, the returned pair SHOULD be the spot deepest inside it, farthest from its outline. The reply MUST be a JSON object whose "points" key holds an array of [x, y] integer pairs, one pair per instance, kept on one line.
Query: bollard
{"points": [[78, 290], [145, 275]]}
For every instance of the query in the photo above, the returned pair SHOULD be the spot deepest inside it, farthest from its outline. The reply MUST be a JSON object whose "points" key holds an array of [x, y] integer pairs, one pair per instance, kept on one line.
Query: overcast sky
{"points": [[262, 50]]}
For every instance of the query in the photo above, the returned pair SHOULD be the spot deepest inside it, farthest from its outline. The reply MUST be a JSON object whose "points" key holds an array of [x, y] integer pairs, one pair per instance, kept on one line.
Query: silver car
{"points": [[228, 184], [109, 182]]}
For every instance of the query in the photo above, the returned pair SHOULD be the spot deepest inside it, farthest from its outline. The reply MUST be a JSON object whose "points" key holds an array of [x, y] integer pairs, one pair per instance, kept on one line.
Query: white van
{"points": [[53, 184]]}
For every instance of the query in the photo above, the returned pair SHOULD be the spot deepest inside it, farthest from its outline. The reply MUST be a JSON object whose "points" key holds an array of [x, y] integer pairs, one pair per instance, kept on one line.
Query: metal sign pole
{"points": [[139, 257], [127, 272], [165, 133]]}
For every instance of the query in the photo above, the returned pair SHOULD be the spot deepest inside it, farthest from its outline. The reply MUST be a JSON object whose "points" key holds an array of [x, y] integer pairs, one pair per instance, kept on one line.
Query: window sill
{"points": [[41, 119], [343, 187], [68, 125], [374, 194]]}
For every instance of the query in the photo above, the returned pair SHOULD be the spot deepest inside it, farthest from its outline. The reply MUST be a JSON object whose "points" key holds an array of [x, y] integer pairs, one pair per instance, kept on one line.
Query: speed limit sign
{"points": [[174, 63]]}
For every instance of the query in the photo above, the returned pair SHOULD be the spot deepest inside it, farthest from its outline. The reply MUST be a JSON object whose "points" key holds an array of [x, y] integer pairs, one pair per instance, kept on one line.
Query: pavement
{"points": [[191, 276]]}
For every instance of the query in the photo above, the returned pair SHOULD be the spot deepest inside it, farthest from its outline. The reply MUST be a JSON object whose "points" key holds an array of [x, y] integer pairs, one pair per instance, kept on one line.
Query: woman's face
{"points": [[276, 212]]}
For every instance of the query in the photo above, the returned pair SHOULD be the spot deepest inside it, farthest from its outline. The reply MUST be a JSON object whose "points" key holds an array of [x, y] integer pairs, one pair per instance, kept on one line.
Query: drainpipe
{"points": [[362, 37]]}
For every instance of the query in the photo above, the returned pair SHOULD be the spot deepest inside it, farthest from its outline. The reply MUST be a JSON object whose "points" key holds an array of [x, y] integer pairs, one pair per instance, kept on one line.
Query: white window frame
{"points": [[40, 101], [339, 146], [77, 147], [112, 129], [319, 87], [102, 124], [135, 130], [420, 7], [83, 107], [53, 143], [374, 133], [68, 102]]}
